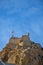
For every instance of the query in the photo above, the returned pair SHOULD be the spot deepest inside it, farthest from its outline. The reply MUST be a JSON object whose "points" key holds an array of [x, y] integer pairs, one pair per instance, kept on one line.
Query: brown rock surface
{"points": [[22, 51]]}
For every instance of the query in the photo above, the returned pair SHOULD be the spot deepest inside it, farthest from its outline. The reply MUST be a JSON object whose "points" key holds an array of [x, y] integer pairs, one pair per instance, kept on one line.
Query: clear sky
{"points": [[21, 16]]}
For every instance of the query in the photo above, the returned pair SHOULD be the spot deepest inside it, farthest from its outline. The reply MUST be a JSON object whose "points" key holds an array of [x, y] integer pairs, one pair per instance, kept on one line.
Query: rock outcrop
{"points": [[22, 51]]}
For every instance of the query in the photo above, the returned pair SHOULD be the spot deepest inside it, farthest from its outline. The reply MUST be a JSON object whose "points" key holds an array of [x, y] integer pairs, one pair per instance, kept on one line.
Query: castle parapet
{"points": [[18, 40]]}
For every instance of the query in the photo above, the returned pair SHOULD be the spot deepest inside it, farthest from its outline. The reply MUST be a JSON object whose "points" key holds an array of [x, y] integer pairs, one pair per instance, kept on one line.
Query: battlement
{"points": [[14, 40], [18, 40]]}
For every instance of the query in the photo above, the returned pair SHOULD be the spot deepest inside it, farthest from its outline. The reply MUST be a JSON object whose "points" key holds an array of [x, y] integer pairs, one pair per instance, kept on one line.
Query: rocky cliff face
{"points": [[22, 51]]}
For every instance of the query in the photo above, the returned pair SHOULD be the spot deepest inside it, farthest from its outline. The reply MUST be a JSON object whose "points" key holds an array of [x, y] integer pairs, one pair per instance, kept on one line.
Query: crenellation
{"points": [[19, 40]]}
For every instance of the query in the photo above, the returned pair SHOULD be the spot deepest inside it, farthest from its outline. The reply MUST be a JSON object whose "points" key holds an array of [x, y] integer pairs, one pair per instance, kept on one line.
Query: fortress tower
{"points": [[25, 37]]}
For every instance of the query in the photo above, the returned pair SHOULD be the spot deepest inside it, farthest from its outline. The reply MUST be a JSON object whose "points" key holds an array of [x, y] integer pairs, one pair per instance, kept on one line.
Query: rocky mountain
{"points": [[22, 51]]}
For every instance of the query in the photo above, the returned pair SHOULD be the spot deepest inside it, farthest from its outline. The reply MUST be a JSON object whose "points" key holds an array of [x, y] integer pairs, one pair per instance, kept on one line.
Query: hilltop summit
{"points": [[22, 51]]}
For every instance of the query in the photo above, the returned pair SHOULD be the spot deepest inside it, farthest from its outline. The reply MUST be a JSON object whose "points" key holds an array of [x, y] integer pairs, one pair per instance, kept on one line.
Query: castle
{"points": [[17, 40]]}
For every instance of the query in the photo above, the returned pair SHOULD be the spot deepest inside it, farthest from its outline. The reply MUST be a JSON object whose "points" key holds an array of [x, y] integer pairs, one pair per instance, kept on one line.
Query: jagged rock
{"points": [[22, 51]]}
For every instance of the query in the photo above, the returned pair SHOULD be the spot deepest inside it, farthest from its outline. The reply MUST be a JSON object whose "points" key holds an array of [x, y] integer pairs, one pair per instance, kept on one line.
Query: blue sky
{"points": [[21, 16]]}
